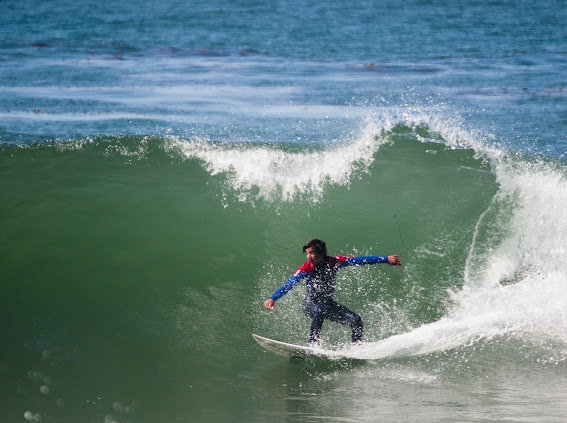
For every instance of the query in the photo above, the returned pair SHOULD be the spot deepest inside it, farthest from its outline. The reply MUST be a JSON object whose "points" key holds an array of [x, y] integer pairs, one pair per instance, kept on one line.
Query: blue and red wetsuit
{"points": [[319, 303]]}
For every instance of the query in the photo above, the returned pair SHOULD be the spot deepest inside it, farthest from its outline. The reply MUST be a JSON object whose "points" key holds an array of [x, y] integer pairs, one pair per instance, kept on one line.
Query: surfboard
{"points": [[289, 350]]}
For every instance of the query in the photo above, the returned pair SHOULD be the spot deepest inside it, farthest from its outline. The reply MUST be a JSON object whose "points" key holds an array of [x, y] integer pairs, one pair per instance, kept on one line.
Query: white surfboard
{"points": [[290, 350]]}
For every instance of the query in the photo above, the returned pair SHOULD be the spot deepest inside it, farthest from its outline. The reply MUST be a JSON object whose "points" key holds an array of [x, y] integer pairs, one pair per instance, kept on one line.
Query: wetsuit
{"points": [[319, 303]]}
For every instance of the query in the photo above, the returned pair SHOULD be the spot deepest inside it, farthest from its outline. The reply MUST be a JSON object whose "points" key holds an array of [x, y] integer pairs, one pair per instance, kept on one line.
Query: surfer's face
{"points": [[313, 256]]}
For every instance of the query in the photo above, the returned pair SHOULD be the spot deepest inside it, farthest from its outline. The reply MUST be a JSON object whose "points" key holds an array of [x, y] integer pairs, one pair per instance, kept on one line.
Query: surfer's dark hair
{"points": [[318, 245]]}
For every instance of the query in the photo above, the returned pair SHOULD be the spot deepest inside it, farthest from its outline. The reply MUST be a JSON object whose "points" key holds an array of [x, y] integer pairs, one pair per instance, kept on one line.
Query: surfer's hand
{"points": [[269, 303], [394, 261]]}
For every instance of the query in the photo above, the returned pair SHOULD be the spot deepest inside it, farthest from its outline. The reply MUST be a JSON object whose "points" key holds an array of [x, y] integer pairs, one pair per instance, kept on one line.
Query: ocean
{"points": [[163, 163]]}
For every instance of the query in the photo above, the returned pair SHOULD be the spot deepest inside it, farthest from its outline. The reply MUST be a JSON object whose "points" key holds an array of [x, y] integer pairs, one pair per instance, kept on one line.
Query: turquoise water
{"points": [[163, 164]]}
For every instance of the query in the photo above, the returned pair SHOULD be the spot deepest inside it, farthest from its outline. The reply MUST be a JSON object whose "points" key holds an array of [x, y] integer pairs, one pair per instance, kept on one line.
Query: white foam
{"points": [[515, 281], [534, 309]]}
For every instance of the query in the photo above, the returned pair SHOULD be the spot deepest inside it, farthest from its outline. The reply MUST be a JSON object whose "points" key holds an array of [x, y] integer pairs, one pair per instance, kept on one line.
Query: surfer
{"points": [[319, 272]]}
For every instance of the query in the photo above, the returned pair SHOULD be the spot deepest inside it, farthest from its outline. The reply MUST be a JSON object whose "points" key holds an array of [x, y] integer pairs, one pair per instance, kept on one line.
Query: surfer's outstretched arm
{"points": [[285, 288], [393, 260]]}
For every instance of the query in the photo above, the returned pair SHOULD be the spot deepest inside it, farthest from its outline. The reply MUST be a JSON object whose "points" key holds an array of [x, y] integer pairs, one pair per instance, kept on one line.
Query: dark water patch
{"points": [[385, 69], [204, 52]]}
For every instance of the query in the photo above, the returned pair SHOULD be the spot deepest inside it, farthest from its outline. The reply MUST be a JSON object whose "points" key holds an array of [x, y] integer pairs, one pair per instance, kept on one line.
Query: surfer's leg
{"points": [[316, 325], [344, 316], [317, 313]]}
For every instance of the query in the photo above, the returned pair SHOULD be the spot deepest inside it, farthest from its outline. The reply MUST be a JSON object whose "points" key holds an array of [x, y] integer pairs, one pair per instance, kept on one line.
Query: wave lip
{"points": [[261, 171]]}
